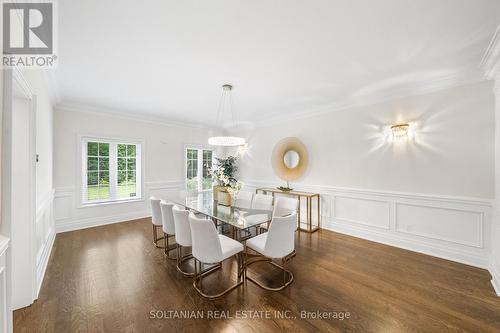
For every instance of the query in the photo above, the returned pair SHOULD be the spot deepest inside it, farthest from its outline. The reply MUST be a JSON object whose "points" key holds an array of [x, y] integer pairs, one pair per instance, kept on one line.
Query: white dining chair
{"points": [[262, 202], [244, 200], [277, 243], [211, 248], [282, 207], [168, 227], [183, 239], [156, 219]]}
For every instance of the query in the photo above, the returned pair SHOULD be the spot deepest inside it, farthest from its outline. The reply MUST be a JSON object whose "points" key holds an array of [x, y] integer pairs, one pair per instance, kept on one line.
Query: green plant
{"points": [[224, 170]]}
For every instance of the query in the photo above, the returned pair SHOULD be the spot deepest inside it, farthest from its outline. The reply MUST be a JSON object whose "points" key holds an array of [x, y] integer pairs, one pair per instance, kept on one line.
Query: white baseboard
{"points": [[495, 278], [44, 260], [77, 224]]}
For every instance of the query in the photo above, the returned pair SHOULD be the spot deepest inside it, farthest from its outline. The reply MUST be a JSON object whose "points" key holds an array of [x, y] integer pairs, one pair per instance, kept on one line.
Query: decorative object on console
{"points": [[226, 185], [286, 188], [289, 160], [226, 103]]}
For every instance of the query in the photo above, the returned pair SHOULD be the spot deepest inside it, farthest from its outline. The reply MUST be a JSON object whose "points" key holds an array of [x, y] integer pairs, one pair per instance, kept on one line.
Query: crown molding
{"points": [[71, 107], [490, 63], [423, 87]]}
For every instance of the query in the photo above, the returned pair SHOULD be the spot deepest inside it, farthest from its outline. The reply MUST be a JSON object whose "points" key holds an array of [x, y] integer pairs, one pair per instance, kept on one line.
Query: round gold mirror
{"points": [[289, 159]]}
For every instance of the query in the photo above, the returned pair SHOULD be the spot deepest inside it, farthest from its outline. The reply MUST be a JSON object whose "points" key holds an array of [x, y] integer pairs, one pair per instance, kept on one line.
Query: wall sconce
{"points": [[243, 149], [400, 132]]}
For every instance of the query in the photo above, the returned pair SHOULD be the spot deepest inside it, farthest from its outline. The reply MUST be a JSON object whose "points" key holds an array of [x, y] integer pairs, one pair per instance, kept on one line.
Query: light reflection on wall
{"points": [[425, 130]]}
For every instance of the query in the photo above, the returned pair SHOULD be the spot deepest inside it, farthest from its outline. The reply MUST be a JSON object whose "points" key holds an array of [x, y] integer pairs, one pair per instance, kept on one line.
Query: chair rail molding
{"points": [[453, 228], [69, 215]]}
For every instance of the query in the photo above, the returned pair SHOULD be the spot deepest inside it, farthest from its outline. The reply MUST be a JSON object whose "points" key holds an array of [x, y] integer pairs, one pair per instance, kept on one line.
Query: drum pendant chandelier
{"points": [[226, 103]]}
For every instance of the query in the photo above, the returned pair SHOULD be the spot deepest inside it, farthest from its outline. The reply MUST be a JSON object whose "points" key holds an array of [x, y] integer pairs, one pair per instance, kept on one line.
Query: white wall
{"points": [[432, 194], [453, 151], [163, 153], [22, 253]]}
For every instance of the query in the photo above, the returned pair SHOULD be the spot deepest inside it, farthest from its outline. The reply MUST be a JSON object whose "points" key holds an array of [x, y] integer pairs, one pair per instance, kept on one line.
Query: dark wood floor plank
{"points": [[109, 278]]}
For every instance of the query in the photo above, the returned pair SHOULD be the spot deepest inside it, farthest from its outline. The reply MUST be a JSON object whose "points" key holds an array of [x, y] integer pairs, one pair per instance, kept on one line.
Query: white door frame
{"points": [[16, 86]]}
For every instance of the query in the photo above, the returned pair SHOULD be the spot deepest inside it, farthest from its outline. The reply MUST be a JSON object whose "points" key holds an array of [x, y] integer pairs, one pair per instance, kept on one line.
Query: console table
{"points": [[307, 226]]}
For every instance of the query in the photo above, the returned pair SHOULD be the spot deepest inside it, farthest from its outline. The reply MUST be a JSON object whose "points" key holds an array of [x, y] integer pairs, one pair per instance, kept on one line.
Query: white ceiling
{"points": [[169, 58]]}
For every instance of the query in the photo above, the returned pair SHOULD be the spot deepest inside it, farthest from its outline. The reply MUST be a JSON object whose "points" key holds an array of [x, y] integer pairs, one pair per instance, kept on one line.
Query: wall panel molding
{"points": [[69, 216], [341, 213], [77, 224], [43, 260], [44, 234], [362, 211], [448, 227], [476, 224]]}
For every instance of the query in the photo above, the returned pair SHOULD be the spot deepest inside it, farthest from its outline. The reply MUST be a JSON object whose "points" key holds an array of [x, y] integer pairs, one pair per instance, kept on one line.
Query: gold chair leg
{"points": [[260, 230], [168, 247], [155, 237], [182, 258], [198, 280], [286, 282]]}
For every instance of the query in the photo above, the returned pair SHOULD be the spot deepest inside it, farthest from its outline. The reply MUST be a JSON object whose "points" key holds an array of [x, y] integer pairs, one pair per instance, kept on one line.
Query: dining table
{"points": [[238, 220]]}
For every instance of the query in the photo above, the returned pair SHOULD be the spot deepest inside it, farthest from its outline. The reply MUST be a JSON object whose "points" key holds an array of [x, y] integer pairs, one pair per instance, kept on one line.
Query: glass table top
{"points": [[241, 218]]}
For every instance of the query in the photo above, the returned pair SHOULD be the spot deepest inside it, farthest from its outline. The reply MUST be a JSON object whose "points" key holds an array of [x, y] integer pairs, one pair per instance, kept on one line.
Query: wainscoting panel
{"points": [[373, 213], [443, 226], [69, 215], [452, 228], [63, 203], [451, 225], [44, 235]]}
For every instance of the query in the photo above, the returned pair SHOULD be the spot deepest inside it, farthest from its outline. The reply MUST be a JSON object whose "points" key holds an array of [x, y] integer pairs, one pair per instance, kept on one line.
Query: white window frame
{"points": [[113, 169], [200, 149]]}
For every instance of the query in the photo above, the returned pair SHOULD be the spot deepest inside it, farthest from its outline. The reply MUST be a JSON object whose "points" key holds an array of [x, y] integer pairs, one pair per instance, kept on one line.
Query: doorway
{"points": [[19, 186]]}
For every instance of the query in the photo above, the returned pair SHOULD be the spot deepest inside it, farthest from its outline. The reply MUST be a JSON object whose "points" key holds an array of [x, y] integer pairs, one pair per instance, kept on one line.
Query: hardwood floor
{"points": [[110, 278]]}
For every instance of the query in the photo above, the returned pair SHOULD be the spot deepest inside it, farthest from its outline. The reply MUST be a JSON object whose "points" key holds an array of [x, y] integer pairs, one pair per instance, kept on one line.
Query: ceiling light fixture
{"points": [[226, 103], [400, 131]]}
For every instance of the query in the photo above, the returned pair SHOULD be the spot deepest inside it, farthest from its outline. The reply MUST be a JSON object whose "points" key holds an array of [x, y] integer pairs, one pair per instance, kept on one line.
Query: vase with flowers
{"points": [[225, 184]]}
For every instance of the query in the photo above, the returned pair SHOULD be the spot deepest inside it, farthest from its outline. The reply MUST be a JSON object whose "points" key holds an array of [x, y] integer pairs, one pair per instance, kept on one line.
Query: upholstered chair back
{"points": [[206, 243]]}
